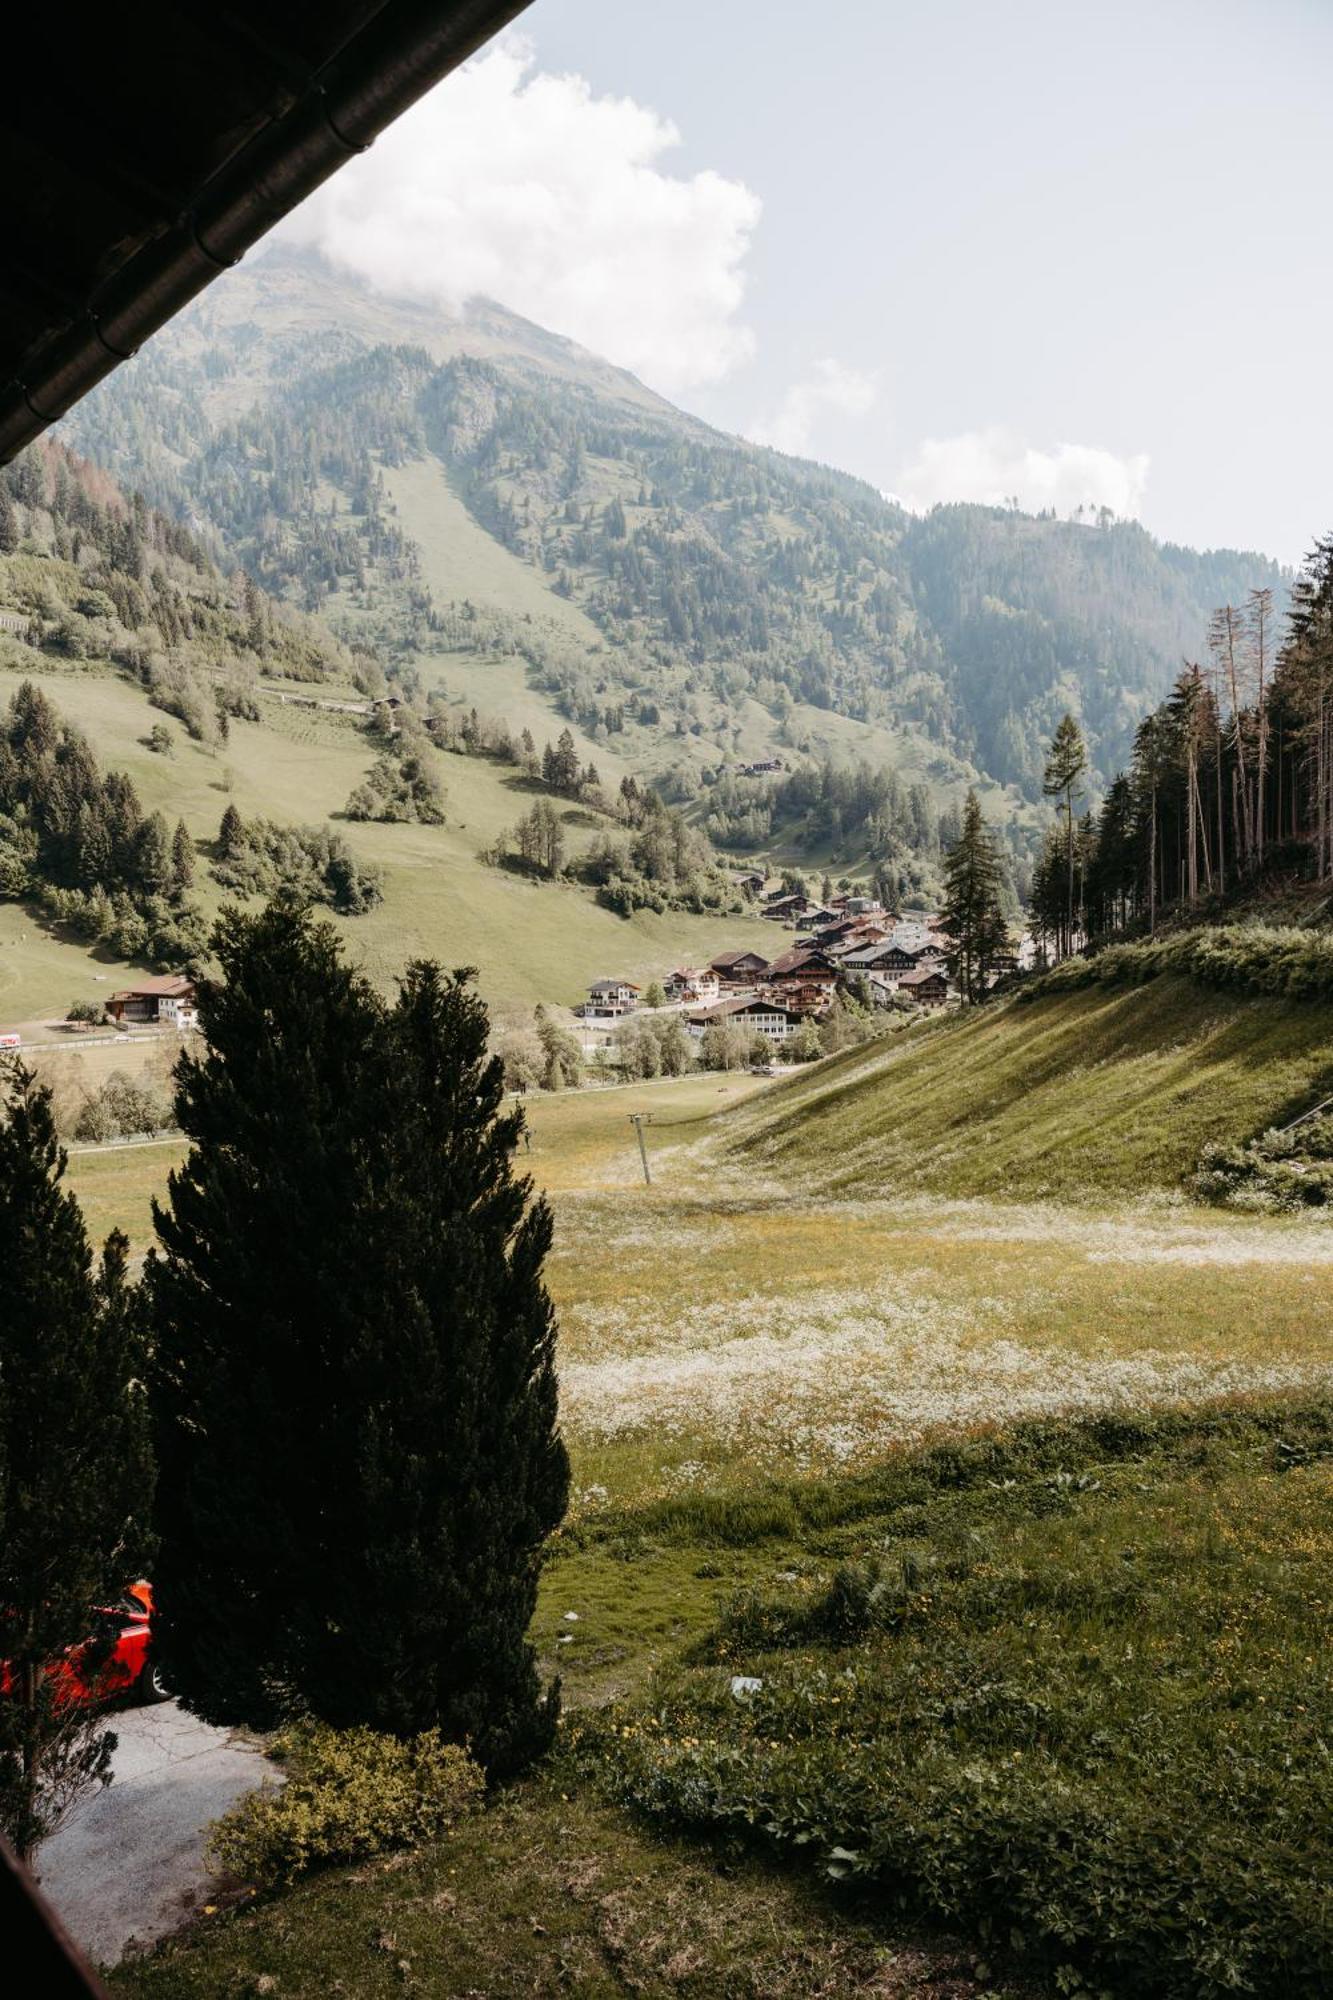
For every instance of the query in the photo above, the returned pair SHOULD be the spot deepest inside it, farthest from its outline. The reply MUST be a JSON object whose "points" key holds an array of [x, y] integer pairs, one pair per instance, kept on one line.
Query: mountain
{"points": [[507, 521]]}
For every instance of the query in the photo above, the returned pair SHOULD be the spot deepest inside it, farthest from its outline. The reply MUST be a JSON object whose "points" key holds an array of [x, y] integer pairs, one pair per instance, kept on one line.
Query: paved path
{"points": [[129, 1866]]}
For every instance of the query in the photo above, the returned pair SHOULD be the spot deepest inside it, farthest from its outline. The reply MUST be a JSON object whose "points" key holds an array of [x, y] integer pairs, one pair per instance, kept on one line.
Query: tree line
{"points": [[79, 841], [1231, 778]]}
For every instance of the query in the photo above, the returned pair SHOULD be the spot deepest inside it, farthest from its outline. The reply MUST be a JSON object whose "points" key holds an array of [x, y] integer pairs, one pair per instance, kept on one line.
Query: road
{"points": [[129, 1865]]}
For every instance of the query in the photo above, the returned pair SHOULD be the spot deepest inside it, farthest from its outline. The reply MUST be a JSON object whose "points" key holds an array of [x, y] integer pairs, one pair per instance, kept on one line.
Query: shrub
{"points": [[1284, 962], [123, 1109], [350, 1794], [86, 1011], [1277, 1173]]}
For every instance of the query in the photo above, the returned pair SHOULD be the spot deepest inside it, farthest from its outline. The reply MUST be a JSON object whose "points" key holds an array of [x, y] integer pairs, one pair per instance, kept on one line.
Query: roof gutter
{"points": [[400, 55]]}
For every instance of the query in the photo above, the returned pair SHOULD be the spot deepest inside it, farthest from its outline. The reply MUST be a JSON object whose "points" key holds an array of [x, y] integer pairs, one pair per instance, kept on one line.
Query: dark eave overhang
{"points": [[330, 113]]}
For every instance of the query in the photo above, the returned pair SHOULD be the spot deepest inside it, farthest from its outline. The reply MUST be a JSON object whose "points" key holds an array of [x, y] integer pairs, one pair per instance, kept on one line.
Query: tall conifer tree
{"points": [[972, 914], [75, 1478], [354, 1386], [1065, 765]]}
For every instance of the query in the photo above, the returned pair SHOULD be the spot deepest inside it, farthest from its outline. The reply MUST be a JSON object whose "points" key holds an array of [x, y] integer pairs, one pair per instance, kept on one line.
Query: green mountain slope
{"points": [[1084, 1094], [387, 464], [204, 694]]}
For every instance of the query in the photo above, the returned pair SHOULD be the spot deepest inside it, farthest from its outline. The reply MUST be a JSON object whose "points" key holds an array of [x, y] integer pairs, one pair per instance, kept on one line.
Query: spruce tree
{"points": [[354, 1385], [1065, 765], [75, 1477], [231, 833], [182, 859], [972, 914]]}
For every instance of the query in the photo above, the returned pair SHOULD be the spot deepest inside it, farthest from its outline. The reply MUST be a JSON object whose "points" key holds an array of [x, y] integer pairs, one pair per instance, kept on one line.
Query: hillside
{"points": [[1077, 1096], [183, 691], [472, 491]]}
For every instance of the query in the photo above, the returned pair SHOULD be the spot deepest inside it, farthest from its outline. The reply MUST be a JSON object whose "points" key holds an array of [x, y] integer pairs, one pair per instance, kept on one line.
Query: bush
{"points": [[258, 857], [350, 1794], [86, 1011], [1277, 1173], [1282, 962], [122, 1109]]}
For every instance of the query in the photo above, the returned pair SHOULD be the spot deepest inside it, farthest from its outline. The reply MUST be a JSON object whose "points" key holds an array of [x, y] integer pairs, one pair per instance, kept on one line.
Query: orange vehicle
{"points": [[115, 1662]]}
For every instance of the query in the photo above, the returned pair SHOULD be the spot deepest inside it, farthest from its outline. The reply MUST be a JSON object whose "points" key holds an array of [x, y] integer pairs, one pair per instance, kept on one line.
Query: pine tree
{"points": [[75, 1477], [972, 914], [562, 1056], [1065, 765], [231, 833], [152, 859], [182, 859], [9, 525], [354, 1385]]}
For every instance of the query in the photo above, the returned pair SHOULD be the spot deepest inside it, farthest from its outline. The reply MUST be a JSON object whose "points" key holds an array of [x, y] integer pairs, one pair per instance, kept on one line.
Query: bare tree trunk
{"points": [[1261, 610], [1221, 831]]}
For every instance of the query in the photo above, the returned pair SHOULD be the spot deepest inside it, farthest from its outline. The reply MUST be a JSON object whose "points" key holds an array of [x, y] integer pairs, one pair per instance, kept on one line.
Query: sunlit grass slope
{"points": [[1091, 1093], [529, 941]]}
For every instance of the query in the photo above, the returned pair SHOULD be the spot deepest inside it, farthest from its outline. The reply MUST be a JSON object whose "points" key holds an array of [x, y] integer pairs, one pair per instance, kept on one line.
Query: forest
{"points": [[1229, 787]]}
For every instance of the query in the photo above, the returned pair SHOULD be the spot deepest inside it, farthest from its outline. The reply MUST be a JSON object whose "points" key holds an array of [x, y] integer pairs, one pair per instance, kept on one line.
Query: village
{"points": [[849, 945]]}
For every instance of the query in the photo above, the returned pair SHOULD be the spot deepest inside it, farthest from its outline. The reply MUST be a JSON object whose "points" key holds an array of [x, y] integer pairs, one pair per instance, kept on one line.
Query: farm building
{"points": [[168, 999]]}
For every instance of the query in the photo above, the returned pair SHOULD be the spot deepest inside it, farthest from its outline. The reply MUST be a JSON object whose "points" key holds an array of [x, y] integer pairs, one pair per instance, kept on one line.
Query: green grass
{"points": [[1080, 1096], [530, 941], [1063, 1422], [549, 1894], [460, 559], [1069, 1690]]}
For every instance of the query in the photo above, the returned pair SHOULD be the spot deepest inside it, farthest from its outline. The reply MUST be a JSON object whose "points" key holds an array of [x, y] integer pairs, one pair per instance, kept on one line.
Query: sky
{"points": [[967, 249]]}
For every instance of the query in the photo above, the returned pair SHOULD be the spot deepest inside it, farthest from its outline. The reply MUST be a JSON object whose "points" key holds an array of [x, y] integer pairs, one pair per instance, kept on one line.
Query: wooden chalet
{"points": [[739, 968], [928, 986], [802, 962], [695, 985]]}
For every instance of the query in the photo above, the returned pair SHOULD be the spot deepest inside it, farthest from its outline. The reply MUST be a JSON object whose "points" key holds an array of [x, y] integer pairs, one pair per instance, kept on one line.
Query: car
{"points": [[115, 1662]]}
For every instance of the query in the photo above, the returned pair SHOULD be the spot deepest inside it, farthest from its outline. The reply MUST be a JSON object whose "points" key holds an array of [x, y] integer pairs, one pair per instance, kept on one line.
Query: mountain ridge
{"points": [[721, 578]]}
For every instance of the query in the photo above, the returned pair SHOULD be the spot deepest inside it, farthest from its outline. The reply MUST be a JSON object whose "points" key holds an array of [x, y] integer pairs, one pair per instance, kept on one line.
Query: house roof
{"points": [[142, 155], [727, 958], [749, 1003], [159, 986], [613, 986], [923, 975], [882, 952], [801, 958]]}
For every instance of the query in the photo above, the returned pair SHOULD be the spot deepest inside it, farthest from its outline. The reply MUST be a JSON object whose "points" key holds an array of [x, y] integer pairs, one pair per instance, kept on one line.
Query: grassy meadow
{"points": [[530, 941], [999, 1466]]}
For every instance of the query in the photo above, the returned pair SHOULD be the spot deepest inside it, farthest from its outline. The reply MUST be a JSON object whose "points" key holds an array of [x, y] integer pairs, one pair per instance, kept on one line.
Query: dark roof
{"points": [[801, 958], [726, 958], [144, 149]]}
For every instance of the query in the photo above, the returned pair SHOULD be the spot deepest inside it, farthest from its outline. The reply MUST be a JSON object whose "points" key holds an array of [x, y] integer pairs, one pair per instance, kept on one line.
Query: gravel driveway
{"points": [[129, 1866]]}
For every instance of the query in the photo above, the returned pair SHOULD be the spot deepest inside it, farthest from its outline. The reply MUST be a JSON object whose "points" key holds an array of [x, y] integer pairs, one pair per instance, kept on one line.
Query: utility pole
{"points": [[638, 1119]]}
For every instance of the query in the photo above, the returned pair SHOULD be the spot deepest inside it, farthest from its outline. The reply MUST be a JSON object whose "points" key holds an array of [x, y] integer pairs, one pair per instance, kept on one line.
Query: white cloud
{"points": [[831, 388], [995, 465], [524, 187]]}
